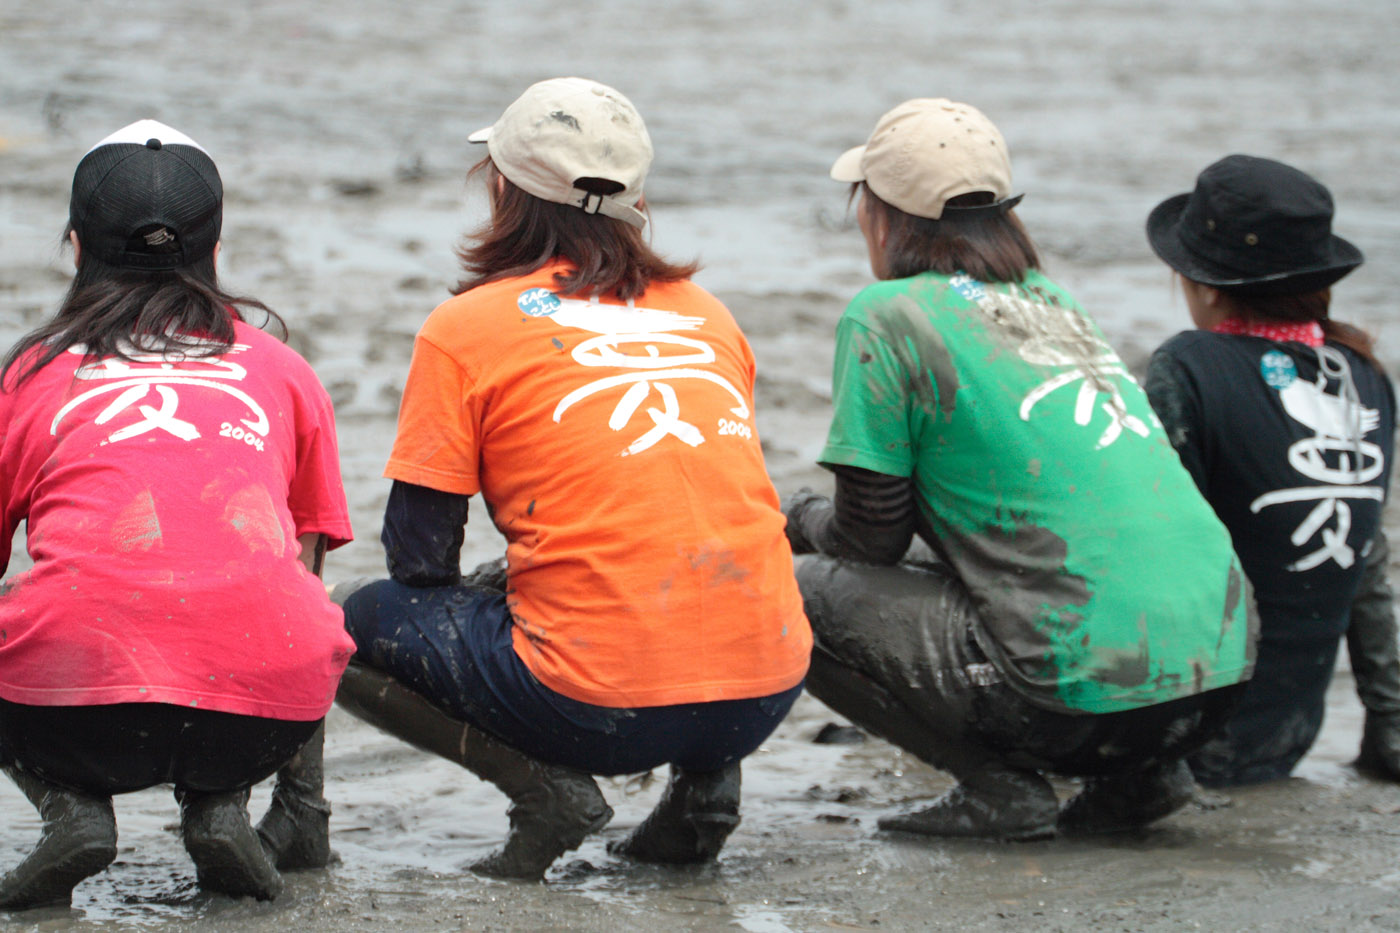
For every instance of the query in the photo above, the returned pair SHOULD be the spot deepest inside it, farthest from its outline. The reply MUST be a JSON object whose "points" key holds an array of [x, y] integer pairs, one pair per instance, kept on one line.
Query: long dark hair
{"points": [[1301, 309], [526, 233], [113, 312], [990, 245]]}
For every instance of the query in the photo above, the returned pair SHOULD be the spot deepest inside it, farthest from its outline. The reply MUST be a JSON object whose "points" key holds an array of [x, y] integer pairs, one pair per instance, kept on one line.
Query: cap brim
{"points": [[847, 167], [1165, 240], [480, 136]]}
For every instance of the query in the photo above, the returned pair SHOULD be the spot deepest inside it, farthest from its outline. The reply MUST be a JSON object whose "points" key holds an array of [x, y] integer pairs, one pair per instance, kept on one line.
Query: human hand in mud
{"points": [[794, 507]]}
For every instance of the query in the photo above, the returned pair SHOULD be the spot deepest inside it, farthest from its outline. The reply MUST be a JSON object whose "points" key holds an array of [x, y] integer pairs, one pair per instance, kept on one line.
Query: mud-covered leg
{"points": [[1375, 663], [552, 808], [228, 855], [78, 839], [695, 815], [886, 637], [296, 828], [992, 799]]}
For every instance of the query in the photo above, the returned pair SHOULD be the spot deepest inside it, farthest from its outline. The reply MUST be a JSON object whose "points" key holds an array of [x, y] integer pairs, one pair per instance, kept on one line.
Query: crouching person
{"points": [[602, 407], [1081, 611], [176, 469]]}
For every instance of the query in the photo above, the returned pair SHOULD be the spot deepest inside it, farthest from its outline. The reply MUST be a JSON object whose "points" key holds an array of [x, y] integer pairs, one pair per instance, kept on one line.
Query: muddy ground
{"points": [[340, 130]]}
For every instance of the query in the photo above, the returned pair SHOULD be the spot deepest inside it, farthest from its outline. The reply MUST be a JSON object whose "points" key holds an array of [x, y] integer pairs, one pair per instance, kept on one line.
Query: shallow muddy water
{"points": [[340, 131]]}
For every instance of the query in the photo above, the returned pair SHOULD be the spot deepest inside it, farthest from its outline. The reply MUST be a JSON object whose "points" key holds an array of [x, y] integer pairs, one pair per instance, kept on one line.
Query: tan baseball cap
{"points": [[927, 151], [565, 129]]}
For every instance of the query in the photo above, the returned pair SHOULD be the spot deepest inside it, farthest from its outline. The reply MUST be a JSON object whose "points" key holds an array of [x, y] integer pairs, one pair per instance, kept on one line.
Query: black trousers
{"points": [[894, 652], [124, 747]]}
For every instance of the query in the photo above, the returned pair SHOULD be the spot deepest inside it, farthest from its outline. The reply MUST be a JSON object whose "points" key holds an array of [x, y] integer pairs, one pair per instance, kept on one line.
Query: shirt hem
{"points": [[106, 696], [853, 457], [674, 696], [441, 480]]}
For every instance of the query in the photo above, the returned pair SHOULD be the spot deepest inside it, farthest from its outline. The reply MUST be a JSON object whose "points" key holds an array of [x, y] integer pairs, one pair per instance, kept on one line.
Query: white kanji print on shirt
{"points": [[630, 337], [153, 377], [1336, 454]]}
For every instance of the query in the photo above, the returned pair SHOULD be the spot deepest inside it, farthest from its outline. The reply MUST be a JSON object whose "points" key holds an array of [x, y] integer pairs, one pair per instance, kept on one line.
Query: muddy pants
{"points": [[125, 747], [452, 645], [895, 653], [1277, 719]]}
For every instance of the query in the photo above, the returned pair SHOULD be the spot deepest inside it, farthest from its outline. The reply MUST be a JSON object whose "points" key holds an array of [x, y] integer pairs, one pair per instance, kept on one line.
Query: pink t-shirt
{"points": [[164, 498]]}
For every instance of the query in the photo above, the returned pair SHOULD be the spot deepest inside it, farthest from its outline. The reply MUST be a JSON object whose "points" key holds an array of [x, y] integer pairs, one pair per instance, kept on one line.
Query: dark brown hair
{"points": [[526, 233], [990, 245], [1300, 309], [113, 312]]}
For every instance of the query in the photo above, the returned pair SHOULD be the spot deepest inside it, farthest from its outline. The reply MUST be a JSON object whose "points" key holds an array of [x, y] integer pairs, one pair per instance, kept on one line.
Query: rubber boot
{"points": [[295, 830], [228, 855], [998, 802], [552, 808], [1123, 802], [695, 815], [1375, 663], [78, 840]]}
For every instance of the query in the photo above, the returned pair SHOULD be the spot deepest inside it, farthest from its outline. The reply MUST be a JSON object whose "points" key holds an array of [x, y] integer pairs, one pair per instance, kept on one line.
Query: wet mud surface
{"points": [[341, 136]]}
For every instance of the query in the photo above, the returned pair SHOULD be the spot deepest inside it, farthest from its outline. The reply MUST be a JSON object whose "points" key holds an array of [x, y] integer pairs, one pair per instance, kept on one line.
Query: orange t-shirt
{"points": [[615, 446]]}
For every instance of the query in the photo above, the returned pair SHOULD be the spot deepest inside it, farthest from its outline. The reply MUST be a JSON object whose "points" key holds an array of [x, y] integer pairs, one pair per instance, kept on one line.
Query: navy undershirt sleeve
{"points": [[871, 520], [423, 533]]}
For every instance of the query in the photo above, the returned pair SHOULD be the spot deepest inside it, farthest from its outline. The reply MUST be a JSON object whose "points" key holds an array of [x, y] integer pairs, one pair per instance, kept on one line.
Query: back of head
{"points": [[1252, 227], [1259, 232], [573, 155], [146, 209], [940, 175], [147, 198]]}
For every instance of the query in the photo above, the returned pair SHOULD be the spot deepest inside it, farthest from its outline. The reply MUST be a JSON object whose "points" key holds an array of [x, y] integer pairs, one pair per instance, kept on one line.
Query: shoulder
{"points": [[469, 315], [686, 297], [878, 304], [1202, 346], [266, 345]]}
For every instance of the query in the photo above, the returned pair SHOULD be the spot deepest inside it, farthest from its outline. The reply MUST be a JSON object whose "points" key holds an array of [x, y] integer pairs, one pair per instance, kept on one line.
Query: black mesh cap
{"points": [[147, 197]]}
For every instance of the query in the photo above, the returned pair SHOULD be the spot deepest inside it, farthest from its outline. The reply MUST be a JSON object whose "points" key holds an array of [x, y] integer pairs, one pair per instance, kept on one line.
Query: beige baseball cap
{"points": [[565, 129], [927, 151]]}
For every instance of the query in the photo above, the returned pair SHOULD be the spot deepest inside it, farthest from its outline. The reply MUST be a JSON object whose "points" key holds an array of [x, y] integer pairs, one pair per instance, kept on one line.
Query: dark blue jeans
{"points": [[452, 644]]}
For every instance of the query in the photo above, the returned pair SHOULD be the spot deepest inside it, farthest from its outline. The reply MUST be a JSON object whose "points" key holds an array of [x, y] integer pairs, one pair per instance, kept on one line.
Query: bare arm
{"points": [[313, 552]]}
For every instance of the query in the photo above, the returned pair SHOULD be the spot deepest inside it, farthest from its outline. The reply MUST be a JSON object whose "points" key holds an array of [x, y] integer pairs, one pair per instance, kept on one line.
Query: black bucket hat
{"points": [[147, 197], [1252, 226]]}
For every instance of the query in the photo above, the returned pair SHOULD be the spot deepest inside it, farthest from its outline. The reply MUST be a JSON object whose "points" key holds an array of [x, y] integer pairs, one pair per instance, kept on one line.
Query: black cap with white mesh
{"points": [[147, 197]]}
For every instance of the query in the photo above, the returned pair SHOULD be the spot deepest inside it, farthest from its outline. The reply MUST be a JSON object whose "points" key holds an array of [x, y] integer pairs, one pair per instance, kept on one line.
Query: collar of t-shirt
{"points": [[1308, 333]]}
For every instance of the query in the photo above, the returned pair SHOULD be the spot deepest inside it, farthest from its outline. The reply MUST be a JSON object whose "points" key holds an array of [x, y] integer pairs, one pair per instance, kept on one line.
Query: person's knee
{"points": [[362, 601]]}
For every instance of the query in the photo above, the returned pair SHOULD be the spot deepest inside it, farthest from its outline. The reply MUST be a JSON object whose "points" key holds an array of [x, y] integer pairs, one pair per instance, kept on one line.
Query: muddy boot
{"points": [[1122, 802], [78, 839], [295, 830], [1380, 746], [228, 855], [996, 802], [1375, 663], [696, 813], [552, 808]]}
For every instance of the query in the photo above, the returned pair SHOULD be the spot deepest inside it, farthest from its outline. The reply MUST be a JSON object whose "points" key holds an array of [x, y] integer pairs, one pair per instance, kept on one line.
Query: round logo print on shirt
{"points": [[538, 302], [1278, 369]]}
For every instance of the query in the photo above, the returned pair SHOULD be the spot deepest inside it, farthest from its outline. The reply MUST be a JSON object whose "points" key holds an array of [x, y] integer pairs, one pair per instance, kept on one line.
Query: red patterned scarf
{"points": [[1308, 333]]}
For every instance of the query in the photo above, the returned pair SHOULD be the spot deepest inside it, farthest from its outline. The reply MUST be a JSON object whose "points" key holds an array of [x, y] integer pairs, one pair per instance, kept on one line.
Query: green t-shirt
{"points": [[1103, 580]]}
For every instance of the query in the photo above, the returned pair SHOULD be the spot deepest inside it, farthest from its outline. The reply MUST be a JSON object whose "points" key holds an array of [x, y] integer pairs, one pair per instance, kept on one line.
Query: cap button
{"points": [[153, 144], [1251, 239]]}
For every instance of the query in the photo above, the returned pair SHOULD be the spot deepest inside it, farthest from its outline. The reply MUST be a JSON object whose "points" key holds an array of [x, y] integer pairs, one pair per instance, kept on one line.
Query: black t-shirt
{"points": [[1295, 463]]}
